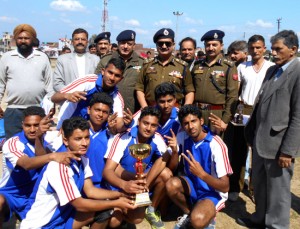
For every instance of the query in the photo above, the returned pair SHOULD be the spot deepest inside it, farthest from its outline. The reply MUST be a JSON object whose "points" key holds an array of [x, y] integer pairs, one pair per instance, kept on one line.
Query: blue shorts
{"points": [[195, 197], [16, 204]]}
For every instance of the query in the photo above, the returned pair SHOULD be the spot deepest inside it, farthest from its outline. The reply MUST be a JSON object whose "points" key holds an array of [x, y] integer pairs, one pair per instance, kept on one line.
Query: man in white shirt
{"points": [[71, 66]]}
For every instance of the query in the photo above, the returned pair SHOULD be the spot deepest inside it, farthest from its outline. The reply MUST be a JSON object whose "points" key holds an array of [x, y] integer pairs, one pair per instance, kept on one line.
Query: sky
{"points": [[54, 19]]}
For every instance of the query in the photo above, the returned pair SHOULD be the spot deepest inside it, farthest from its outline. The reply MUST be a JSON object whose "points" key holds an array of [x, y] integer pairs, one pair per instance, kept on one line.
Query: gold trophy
{"points": [[140, 152]]}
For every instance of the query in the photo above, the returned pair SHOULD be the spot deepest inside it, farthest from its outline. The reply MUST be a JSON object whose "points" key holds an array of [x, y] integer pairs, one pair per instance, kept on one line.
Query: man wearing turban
{"points": [[26, 76]]}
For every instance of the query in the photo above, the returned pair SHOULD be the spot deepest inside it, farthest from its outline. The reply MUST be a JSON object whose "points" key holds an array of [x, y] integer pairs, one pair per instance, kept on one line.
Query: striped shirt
{"points": [[90, 84], [56, 187], [118, 149]]}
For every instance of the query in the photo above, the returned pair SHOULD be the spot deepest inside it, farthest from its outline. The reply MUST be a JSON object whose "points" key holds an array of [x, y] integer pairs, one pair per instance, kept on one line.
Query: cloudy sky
{"points": [[54, 19]]}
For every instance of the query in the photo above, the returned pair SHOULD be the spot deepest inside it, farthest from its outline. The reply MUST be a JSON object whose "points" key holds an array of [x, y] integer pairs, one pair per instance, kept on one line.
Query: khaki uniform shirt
{"points": [[216, 84], [127, 84], [154, 73]]}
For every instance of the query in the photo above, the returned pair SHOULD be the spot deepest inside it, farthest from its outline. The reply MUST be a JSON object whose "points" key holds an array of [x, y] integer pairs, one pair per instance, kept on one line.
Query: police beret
{"points": [[126, 35], [102, 36], [211, 35], [164, 33]]}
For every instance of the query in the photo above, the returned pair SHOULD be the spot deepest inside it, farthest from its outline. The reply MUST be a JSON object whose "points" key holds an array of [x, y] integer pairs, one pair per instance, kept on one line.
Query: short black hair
{"points": [[114, 45], [152, 111], [117, 62], [189, 109], [188, 39], [69, 125], [102, 97], [148, 52], [92, 46], [80, 30], [256, 38], [34, 110], [164, 89]]}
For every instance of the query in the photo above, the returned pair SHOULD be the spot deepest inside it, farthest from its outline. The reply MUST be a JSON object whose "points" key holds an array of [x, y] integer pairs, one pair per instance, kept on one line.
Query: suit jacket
{"points": [[274, 126], [66, 69]]}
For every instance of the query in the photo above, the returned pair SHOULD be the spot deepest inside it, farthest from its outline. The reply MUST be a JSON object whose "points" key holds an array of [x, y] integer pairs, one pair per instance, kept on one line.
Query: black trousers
{"points": [[13, 121]]}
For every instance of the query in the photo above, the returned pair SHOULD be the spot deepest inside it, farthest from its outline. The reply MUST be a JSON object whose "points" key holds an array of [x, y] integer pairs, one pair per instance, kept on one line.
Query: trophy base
{"points": [[142, 199]]}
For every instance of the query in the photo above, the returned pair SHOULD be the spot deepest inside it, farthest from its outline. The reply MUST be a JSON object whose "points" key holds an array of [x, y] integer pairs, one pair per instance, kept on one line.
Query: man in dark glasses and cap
{"points": [[164, 68]]}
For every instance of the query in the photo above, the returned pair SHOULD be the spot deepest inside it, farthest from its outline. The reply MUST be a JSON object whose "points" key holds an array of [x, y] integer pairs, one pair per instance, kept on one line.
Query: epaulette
{"points": [[107, 54], [228, 62], [184, 63], [147, 61]]}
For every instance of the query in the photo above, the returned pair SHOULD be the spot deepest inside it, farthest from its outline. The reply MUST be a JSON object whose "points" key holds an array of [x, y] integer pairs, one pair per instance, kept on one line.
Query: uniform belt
{"points": [[207, 106]]}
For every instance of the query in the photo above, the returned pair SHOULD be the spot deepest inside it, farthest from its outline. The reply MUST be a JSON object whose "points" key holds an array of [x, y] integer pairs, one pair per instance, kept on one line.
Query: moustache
{"points": [[79, 45]]}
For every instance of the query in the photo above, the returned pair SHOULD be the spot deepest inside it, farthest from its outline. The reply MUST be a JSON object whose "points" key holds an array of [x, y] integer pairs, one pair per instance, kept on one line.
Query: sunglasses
{"points": [[166, 43]]}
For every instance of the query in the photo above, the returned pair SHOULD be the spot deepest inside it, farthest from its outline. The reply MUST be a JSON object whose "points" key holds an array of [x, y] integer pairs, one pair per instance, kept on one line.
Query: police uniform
{"points": [[130, 74], [102, 36], [216, 84], [154, 73]]}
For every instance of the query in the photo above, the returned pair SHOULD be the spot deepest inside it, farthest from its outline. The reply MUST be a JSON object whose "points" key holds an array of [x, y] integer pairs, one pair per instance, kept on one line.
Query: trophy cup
{"points": [[140, 152]]}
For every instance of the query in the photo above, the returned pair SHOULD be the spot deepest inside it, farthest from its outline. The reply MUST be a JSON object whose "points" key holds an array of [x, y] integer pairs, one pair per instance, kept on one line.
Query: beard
{"points": [[24, 48]]}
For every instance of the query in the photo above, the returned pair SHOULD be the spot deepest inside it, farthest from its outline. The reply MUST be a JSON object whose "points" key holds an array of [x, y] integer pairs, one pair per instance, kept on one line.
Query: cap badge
{"points": [[166, 32], [132, 36], [215, 35], [105, 35]]}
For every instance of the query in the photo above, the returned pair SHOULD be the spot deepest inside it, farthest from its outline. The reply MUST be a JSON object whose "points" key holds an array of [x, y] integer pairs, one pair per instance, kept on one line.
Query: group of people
{"points": [[84, 173]]}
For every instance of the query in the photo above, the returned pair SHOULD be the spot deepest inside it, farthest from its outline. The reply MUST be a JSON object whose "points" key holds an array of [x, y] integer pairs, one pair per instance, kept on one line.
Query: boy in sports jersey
{"points": [[203, 189], [119, 168], [99, 109], [22, 162], [57, 201], [76, 96]]}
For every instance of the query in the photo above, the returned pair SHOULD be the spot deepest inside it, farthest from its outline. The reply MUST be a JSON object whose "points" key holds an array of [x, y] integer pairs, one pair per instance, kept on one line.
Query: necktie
{"points": [[278, 73]]}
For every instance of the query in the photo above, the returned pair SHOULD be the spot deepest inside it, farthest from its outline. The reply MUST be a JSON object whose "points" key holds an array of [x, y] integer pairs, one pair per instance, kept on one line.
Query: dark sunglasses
{"points": [[167, 43]]}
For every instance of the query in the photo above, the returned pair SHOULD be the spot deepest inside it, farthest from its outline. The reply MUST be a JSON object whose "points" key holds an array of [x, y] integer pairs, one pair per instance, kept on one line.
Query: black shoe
{"points": [[246, 222]]}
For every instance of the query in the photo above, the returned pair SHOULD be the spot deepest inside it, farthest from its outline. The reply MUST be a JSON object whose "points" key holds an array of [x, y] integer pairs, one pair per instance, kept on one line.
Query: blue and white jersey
{"points": [[95, 153], [16, 180], [172, 123], [212, 154], [57, 186], [118, 149], [90, 84]]}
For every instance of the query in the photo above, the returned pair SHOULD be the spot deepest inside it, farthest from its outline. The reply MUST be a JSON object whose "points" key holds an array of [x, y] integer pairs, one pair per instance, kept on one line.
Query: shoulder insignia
{"points": [[107, 54], [181, 61], [228, 62], [146, 61]]}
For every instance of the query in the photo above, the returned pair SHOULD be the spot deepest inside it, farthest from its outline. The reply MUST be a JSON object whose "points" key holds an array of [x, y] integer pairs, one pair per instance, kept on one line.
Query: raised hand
{"points": [[76, 96], [66, 157], [172, 141], [195, 167], [45, 124], [127, 117]]}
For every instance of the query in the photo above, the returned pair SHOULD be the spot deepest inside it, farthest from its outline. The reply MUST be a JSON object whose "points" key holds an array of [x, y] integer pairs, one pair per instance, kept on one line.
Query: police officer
{"points": [[164, 68], [216, 82], [102, 42], [126, 44]]}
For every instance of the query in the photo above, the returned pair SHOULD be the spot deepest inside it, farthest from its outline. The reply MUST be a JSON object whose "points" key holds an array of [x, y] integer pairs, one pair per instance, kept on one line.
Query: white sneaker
{"points": [[182, 221]]}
